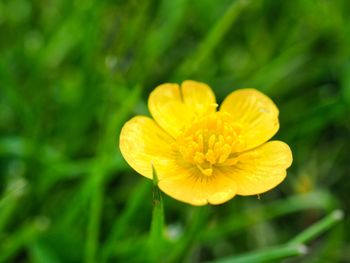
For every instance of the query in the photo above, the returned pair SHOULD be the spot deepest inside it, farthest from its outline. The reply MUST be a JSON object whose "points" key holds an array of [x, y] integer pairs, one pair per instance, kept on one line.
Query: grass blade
{"points": [[197, 224], [316, 200], [120, 225], [211, 40], [26, 235], [93, 229]]}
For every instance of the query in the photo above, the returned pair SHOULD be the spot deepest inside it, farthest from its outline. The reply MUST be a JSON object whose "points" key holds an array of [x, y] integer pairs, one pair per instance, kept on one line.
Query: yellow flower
{"points": [[204, 155]]}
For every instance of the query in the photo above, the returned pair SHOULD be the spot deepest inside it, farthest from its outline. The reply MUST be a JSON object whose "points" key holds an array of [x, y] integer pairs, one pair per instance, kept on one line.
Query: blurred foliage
{"points": [[72, 72]]}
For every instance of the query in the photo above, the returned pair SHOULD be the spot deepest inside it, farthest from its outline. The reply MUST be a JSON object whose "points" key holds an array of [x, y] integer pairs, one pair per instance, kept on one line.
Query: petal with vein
{"points": [[194, 188], [260, 169], [256, 114]]}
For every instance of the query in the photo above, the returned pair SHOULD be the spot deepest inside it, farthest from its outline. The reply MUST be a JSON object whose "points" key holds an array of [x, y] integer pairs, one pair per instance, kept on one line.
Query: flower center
{"points": [[210, 140]]}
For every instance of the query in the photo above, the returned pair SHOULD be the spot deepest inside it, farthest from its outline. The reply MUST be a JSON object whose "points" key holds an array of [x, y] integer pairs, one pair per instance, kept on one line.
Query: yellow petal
{"points": [[173, 108], [199, 97], [143, 144], [166, 107], [255, 112], [194, 188], [260, 169]]}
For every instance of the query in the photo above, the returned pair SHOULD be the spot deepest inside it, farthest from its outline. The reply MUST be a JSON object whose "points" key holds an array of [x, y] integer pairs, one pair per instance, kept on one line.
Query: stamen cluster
{"points": [[210, 140]]}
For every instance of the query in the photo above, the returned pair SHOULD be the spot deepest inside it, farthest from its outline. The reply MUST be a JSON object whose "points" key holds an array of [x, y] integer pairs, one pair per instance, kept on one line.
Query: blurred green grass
{"points": [[72, 72]]}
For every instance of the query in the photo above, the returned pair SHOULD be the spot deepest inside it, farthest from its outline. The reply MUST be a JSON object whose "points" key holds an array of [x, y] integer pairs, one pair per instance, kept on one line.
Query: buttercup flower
{"points": [[203, 154]]}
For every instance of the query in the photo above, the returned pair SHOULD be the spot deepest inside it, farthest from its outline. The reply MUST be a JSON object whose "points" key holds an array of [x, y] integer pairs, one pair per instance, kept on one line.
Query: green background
{"points": [[71, 74]]}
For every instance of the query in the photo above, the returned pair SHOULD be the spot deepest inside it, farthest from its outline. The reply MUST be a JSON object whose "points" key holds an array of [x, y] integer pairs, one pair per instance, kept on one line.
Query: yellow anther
{"points": [[211, 141], [222, 158], [200, 142], [217, 147], [210, 156], [231, 161], [199, 158], [205, 171], [226, 149]]}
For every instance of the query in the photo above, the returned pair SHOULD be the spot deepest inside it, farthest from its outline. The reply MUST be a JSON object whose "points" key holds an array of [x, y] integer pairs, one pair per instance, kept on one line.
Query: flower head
{"points": [[203, 154]]}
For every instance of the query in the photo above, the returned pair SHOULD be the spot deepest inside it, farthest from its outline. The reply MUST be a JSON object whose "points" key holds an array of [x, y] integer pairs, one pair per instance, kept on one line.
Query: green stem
{"points": [[266, 255], [293, 248], [318, 228], [156, 238]]}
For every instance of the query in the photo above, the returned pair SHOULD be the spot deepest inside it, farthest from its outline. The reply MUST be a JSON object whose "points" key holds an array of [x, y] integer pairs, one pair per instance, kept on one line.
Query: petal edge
{"points": [[143, 143]]}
